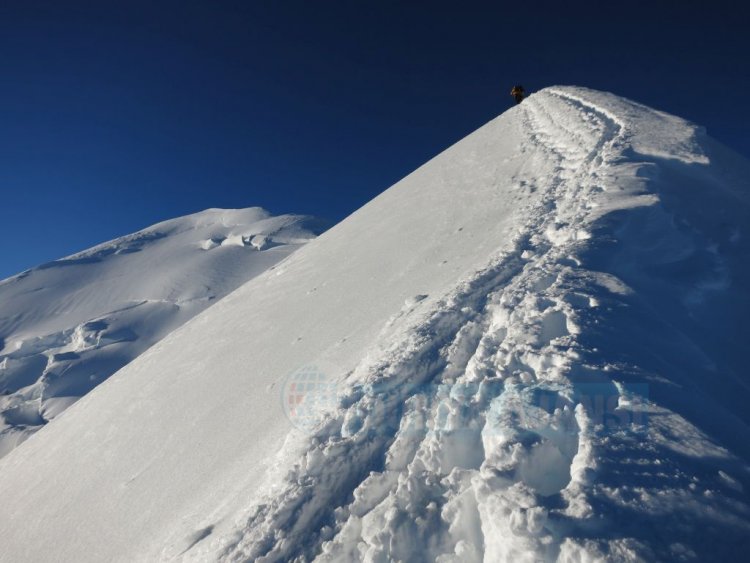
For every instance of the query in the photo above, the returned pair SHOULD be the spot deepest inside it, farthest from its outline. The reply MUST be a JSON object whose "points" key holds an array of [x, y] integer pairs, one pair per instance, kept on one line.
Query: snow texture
{"points": [[530, 349], [68, 325]]}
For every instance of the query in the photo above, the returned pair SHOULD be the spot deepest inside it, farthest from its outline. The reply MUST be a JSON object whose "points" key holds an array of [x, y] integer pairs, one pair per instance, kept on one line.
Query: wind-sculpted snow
{"points": [[530, 349], [68, 325]]}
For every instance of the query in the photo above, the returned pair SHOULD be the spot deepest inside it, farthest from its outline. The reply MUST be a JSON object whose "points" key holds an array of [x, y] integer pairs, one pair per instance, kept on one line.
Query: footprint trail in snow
{"points": [[489, 429]]}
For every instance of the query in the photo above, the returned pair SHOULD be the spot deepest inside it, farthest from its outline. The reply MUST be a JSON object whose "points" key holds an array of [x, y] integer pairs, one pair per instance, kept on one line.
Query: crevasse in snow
{"points": [[530, 349]]}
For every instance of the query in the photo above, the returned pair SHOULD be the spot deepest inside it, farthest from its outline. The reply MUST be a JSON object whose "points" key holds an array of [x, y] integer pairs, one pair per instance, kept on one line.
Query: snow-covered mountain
{"points": [[68, 325], [530, 349]]}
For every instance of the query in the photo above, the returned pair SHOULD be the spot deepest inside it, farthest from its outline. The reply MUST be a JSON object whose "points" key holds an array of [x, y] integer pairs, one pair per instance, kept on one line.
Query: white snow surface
{"points": [[68, 325], [532, 348]]}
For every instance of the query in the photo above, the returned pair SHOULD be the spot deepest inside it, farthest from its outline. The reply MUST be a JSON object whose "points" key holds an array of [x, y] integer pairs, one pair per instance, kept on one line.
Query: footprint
{"points": [[412, 301], [195, 538], [554, 325]]}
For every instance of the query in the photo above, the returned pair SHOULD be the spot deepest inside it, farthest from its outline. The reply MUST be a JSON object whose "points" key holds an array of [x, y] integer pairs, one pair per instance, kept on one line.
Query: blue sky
{"points": [[118, 115]]}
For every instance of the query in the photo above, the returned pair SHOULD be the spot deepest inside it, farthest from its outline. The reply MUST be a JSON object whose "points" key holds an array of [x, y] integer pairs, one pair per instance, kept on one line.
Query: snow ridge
{"points": [[491, 429], [530, 349]]}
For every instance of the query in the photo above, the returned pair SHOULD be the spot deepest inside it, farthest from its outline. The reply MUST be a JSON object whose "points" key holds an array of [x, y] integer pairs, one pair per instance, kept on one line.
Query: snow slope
{"points": [[68, 325], [530, 349]]}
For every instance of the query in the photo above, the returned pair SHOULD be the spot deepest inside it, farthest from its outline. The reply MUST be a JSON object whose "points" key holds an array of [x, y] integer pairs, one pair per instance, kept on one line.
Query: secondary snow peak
{"points": [[528, 349], [67, 325]]}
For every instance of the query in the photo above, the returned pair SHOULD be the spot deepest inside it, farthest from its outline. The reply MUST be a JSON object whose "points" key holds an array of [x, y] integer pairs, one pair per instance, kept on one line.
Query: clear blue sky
{"points": [[116, 115]]}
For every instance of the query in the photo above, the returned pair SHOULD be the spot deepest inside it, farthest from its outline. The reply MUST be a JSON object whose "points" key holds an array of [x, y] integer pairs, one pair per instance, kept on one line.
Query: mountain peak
{"points": [[527, 348]]}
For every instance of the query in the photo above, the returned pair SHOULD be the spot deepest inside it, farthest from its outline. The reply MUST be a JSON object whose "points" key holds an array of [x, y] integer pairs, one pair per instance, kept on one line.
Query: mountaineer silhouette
{"points": [[518, 93]]}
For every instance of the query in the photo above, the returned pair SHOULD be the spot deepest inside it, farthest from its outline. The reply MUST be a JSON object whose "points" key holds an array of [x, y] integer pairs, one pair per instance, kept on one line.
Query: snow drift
{"points": [[67, 325], [529, 349]]}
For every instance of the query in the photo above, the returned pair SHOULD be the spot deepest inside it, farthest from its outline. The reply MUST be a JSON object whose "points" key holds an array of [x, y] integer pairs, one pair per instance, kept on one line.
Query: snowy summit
{"points": [[68, 325], [530, 349]]}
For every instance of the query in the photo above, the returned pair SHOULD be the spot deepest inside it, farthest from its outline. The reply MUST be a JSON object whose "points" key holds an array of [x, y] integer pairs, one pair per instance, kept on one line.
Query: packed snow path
{"points": [[557, 376]]}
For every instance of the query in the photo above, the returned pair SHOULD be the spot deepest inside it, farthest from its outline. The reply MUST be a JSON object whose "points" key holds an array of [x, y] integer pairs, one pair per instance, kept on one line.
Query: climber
{"points": [[518, 93]]}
